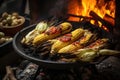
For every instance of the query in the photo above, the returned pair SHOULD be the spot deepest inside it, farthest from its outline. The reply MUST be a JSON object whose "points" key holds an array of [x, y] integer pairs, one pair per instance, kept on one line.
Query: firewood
{"points": [[109, 19], [79, 17], [104, 22]]}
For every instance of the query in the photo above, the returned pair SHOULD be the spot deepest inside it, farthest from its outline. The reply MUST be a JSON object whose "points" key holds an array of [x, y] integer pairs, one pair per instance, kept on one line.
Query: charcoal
{"points": [[28, 73], [23, 64], [106, 70], [55, 75], [109, 68]]}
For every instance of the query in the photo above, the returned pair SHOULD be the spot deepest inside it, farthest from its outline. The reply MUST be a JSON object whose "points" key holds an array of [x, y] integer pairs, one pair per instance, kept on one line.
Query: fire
{"points": [[88, 5], [83, 8]]}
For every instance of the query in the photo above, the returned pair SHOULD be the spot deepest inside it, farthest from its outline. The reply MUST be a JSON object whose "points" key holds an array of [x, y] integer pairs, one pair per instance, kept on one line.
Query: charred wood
{"points": [[80, 17], [110, 19], [104, 22]]}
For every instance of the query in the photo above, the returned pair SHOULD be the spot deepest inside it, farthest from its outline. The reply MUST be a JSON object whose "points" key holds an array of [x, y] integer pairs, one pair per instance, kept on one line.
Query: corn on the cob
{"points": [[91, 51], [82, 42], [86, 54], [41, 27], [62, 42], [98, 44], [52, 32]]}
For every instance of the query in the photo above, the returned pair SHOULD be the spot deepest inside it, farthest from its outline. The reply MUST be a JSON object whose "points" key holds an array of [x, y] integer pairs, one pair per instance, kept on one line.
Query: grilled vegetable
{"points": [[86, 54], [98, 44], [52, 32], [82, 42], [91, 51], [67, 39], [40, 28]]}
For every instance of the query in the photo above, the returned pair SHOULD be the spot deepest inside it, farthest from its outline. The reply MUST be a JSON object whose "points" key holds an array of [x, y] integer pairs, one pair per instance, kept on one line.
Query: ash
{"points": [[106, 70]]}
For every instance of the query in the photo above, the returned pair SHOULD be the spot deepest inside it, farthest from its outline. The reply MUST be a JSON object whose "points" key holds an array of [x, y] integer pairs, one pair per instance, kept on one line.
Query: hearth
{"points": [[106, 24]]}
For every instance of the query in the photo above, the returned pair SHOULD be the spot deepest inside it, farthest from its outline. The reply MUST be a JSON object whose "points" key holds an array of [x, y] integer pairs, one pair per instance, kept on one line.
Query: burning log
{"points": [[78, 18], [109, 19], [104, 22]]}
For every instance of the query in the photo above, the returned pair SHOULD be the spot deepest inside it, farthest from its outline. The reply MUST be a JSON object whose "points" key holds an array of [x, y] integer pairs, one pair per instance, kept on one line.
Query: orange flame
{"points": [[83, 7]]}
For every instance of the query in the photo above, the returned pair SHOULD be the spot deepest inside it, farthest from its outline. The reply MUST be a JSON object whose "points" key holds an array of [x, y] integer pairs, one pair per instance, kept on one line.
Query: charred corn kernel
{"points": [[86, 39], [100, 43], [82, 42], [75, 35], [66, 27], [69, 49], [52, 32]]}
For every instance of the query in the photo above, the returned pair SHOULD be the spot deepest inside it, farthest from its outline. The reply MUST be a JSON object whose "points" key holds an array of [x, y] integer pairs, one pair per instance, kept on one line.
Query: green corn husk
{"points": [[41, 27], [86, 54], [108, 52]]}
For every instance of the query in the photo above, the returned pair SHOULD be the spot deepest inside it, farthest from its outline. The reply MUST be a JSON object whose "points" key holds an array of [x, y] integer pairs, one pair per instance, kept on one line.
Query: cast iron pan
{"points": [[43, 63]]}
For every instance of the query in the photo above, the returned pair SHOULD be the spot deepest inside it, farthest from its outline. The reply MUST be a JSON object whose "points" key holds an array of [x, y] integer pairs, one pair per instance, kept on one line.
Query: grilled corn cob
{"points": [[67, 39], [82, 42], [98, 44], [91, 51], [52, 32], [41, 27], [86, 54]]}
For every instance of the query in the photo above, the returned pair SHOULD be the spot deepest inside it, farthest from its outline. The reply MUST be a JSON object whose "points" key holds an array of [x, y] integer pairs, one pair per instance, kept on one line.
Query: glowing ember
{"points": [[74, 18], [105, 28]]}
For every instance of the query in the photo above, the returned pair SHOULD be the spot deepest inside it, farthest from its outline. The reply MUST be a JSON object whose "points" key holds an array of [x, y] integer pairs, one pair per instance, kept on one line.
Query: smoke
{"points": [[60, 9]]}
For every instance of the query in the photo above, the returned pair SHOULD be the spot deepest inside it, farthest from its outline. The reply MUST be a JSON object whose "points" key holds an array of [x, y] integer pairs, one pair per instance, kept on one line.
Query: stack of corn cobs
{"points": [[80, 42]]}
